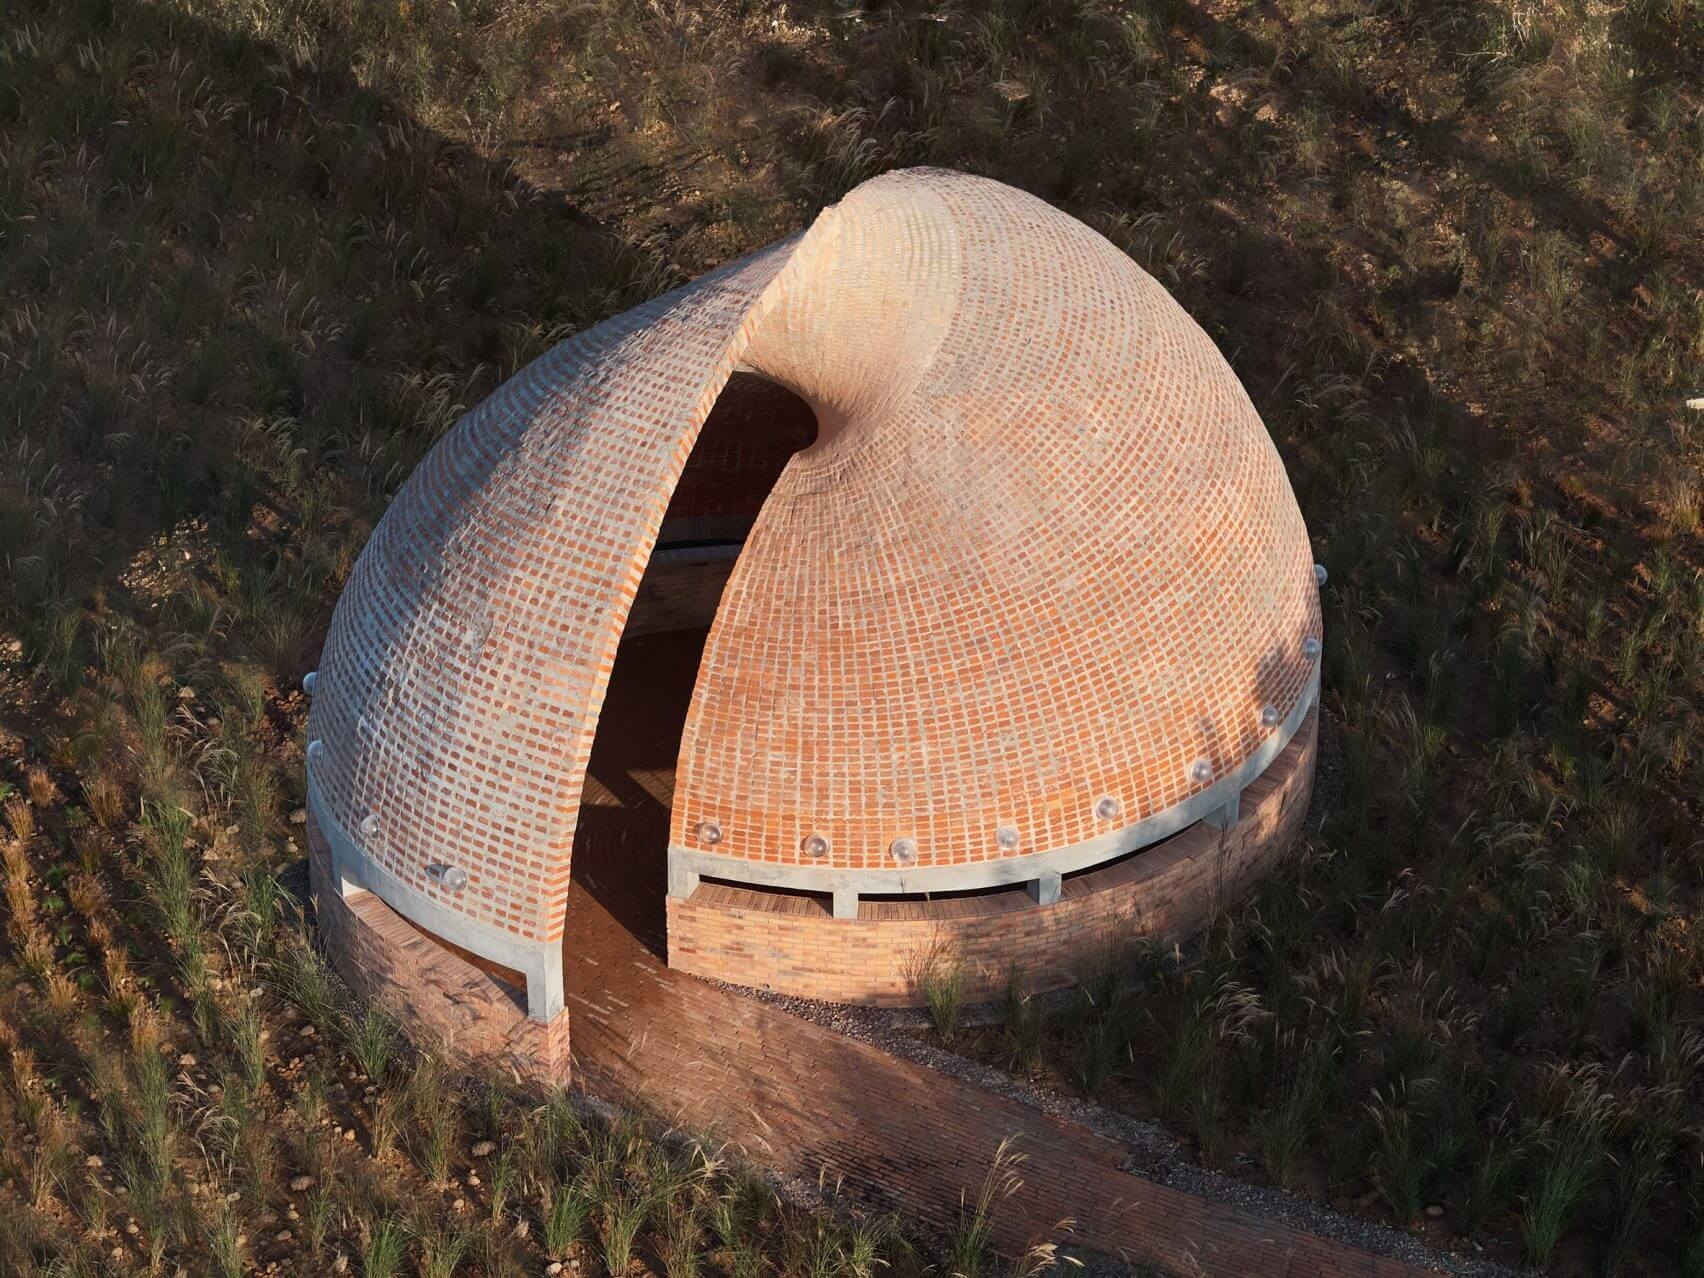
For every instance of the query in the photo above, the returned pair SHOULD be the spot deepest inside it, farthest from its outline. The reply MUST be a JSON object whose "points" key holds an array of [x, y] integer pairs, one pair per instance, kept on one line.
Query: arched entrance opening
{"points": [[620, 854]]}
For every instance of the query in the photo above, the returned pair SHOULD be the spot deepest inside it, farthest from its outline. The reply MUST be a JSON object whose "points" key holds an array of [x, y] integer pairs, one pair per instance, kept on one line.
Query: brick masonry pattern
{"points": [[790, 944], [1041, 551]]}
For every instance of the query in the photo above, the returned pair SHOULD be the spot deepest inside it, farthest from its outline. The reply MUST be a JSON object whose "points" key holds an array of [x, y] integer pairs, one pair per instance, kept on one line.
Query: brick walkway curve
{"points": [[803, 1100]]}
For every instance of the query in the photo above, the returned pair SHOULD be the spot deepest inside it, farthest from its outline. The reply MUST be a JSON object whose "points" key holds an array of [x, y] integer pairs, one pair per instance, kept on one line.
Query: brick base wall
{"points": [[792, 945], [443, 1000]]}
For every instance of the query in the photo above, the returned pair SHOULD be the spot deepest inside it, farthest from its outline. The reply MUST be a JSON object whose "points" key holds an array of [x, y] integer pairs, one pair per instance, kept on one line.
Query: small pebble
{"points": [[283, 1235], [1434, 1211], [93, 1160], [301, 1183], [554, 1267], [483, 1148]]}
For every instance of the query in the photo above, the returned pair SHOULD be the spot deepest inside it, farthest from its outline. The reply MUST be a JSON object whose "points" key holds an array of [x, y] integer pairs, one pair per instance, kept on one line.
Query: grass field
{"points": [[256, 256]]}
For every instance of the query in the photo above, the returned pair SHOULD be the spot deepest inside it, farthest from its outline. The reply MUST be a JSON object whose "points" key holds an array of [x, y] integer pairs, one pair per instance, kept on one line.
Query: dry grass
{"points": [[255, 256]]}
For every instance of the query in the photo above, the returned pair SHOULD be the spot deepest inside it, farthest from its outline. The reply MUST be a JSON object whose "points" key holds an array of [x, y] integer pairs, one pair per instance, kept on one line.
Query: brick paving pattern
{"points": [[803, 1101]]}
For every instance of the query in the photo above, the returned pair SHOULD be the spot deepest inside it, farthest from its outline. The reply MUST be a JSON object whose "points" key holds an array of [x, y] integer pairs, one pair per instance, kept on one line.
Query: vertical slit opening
{"points": [[620, 856]]}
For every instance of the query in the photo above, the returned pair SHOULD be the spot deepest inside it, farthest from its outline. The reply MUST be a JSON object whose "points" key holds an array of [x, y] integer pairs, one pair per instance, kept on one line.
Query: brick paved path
{"points": [[804, 1100]]}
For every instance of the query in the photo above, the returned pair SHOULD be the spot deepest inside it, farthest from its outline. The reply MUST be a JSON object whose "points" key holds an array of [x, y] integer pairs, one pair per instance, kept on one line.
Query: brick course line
{"points": [[1041, 552]]}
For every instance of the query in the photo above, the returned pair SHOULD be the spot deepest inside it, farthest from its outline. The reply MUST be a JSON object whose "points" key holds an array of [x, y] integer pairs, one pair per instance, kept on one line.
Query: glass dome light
{"points": [[1006, 838], [450, 876], [1320, 575], [316, 749], [1201, 771], [1106, 807], [903, 850], [814, 846], [708, 832], [310, 681], [370, 824], [1310, 648], [1269, 716]]}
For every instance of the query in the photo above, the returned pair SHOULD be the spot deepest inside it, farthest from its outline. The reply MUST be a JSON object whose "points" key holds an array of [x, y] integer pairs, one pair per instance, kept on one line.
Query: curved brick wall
{"points": [[445, 997], [1043, 552], [791, 945], [1037, 589]]}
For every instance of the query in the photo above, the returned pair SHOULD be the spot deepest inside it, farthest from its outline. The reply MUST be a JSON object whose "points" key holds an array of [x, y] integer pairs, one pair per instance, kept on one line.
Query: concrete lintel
{"points": [[1226, 817], [1046, 889], [354, 872], [1013, 871]]}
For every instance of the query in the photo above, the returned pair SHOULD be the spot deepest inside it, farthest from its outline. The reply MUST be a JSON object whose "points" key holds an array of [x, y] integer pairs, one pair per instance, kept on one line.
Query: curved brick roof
{"points": [[1041, 553]]}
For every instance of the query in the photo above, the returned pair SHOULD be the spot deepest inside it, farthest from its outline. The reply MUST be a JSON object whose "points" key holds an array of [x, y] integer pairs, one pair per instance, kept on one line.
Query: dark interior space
{"points": [[621, 845]]}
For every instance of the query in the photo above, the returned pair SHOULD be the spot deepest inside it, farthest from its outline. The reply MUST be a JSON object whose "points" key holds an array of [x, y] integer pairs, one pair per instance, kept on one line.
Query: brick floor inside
{"points": [[805, 1101]]}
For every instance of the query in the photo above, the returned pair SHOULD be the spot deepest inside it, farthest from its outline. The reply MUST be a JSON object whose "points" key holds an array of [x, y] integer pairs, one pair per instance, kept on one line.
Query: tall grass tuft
{"points": [[1287, 1128], [373, 1039], [1024, 1022], [1570, 1158], [940, 975], [386, 1249]]}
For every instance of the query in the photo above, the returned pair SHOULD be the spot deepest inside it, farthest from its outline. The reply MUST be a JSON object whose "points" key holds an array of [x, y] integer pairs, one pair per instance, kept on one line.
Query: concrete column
{"points": [[545, 998], [1045, 890], [683, 880], [1226, 817]]}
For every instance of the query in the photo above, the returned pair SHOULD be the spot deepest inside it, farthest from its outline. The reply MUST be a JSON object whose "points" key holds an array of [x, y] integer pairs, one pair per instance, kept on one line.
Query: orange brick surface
{"points": [[790, 944], [1041, 552]]}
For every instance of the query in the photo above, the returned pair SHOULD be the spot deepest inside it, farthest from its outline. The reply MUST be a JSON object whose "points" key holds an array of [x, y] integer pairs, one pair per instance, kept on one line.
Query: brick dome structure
{"points": [[1009, 624]]}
